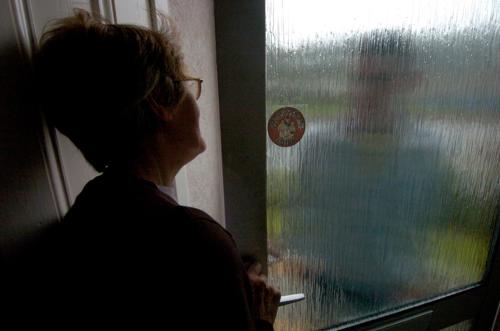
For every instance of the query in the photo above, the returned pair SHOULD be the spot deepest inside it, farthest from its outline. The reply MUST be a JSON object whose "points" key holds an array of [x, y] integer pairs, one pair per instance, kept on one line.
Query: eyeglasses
{"points": [[192, 86]]}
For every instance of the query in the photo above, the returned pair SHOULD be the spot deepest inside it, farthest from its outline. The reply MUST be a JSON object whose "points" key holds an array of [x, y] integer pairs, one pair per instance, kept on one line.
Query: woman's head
{"points": [[112, 89]]}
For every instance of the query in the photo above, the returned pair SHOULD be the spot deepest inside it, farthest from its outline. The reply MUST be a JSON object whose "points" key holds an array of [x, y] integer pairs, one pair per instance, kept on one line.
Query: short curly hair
{"points": [[100, 83]]}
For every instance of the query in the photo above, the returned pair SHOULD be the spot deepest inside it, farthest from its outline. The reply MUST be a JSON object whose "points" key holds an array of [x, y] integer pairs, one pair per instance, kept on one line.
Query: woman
{"points": [[126, 253]]}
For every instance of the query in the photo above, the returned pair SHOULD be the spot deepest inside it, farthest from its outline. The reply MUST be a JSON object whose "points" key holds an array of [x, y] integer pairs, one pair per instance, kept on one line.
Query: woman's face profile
{"points": [[185, 129]]}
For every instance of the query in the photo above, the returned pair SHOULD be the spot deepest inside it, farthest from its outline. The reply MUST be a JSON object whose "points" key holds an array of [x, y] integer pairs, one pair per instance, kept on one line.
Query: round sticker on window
{"points": [[286, 126]]}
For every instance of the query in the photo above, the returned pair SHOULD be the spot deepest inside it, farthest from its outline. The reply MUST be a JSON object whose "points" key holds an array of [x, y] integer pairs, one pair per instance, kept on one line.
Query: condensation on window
{"points": [[390, 196]]}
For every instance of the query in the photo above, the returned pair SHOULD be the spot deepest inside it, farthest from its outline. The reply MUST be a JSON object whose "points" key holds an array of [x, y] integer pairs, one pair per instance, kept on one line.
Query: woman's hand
{"points": [[266, 297]]}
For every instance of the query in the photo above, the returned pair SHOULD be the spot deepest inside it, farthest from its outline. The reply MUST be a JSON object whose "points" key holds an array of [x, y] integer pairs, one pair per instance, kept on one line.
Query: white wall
{"points": [[195, 23]]}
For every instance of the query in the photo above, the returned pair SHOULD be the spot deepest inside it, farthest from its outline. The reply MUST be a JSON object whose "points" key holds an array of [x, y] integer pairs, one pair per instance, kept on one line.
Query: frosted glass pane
{"points": [[389, 198], [464, 326]]}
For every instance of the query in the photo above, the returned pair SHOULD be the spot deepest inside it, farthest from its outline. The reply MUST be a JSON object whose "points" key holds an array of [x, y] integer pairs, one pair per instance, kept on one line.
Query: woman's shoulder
{"points": [[119, 197], [203, 226], [120, 192]]}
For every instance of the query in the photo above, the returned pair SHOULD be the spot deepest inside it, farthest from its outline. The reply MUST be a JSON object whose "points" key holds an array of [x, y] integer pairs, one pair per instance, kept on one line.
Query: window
{"points": [[389, 200]]}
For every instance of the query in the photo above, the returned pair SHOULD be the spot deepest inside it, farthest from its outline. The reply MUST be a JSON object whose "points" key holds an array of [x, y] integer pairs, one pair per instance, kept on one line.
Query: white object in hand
{"points": [[287, 299]]}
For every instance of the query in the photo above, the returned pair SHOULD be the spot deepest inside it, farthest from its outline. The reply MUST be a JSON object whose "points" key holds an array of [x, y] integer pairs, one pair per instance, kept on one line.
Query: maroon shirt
{"points": [[127, 255]]}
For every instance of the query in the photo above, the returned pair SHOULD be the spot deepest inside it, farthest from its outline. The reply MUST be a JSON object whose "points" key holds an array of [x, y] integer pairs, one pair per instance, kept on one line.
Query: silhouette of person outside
{"points": [[377, 190]]}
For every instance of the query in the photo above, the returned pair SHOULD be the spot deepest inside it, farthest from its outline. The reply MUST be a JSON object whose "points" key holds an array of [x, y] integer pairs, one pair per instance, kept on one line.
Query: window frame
{"points": [[240, 48]]}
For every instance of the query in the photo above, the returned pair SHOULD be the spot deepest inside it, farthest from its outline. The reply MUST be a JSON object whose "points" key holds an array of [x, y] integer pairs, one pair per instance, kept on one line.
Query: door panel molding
{"points": [[27, 42]]}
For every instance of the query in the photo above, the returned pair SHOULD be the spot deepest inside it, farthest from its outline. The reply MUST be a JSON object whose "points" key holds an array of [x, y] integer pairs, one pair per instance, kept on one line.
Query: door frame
{"points": [[240, 38]]}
